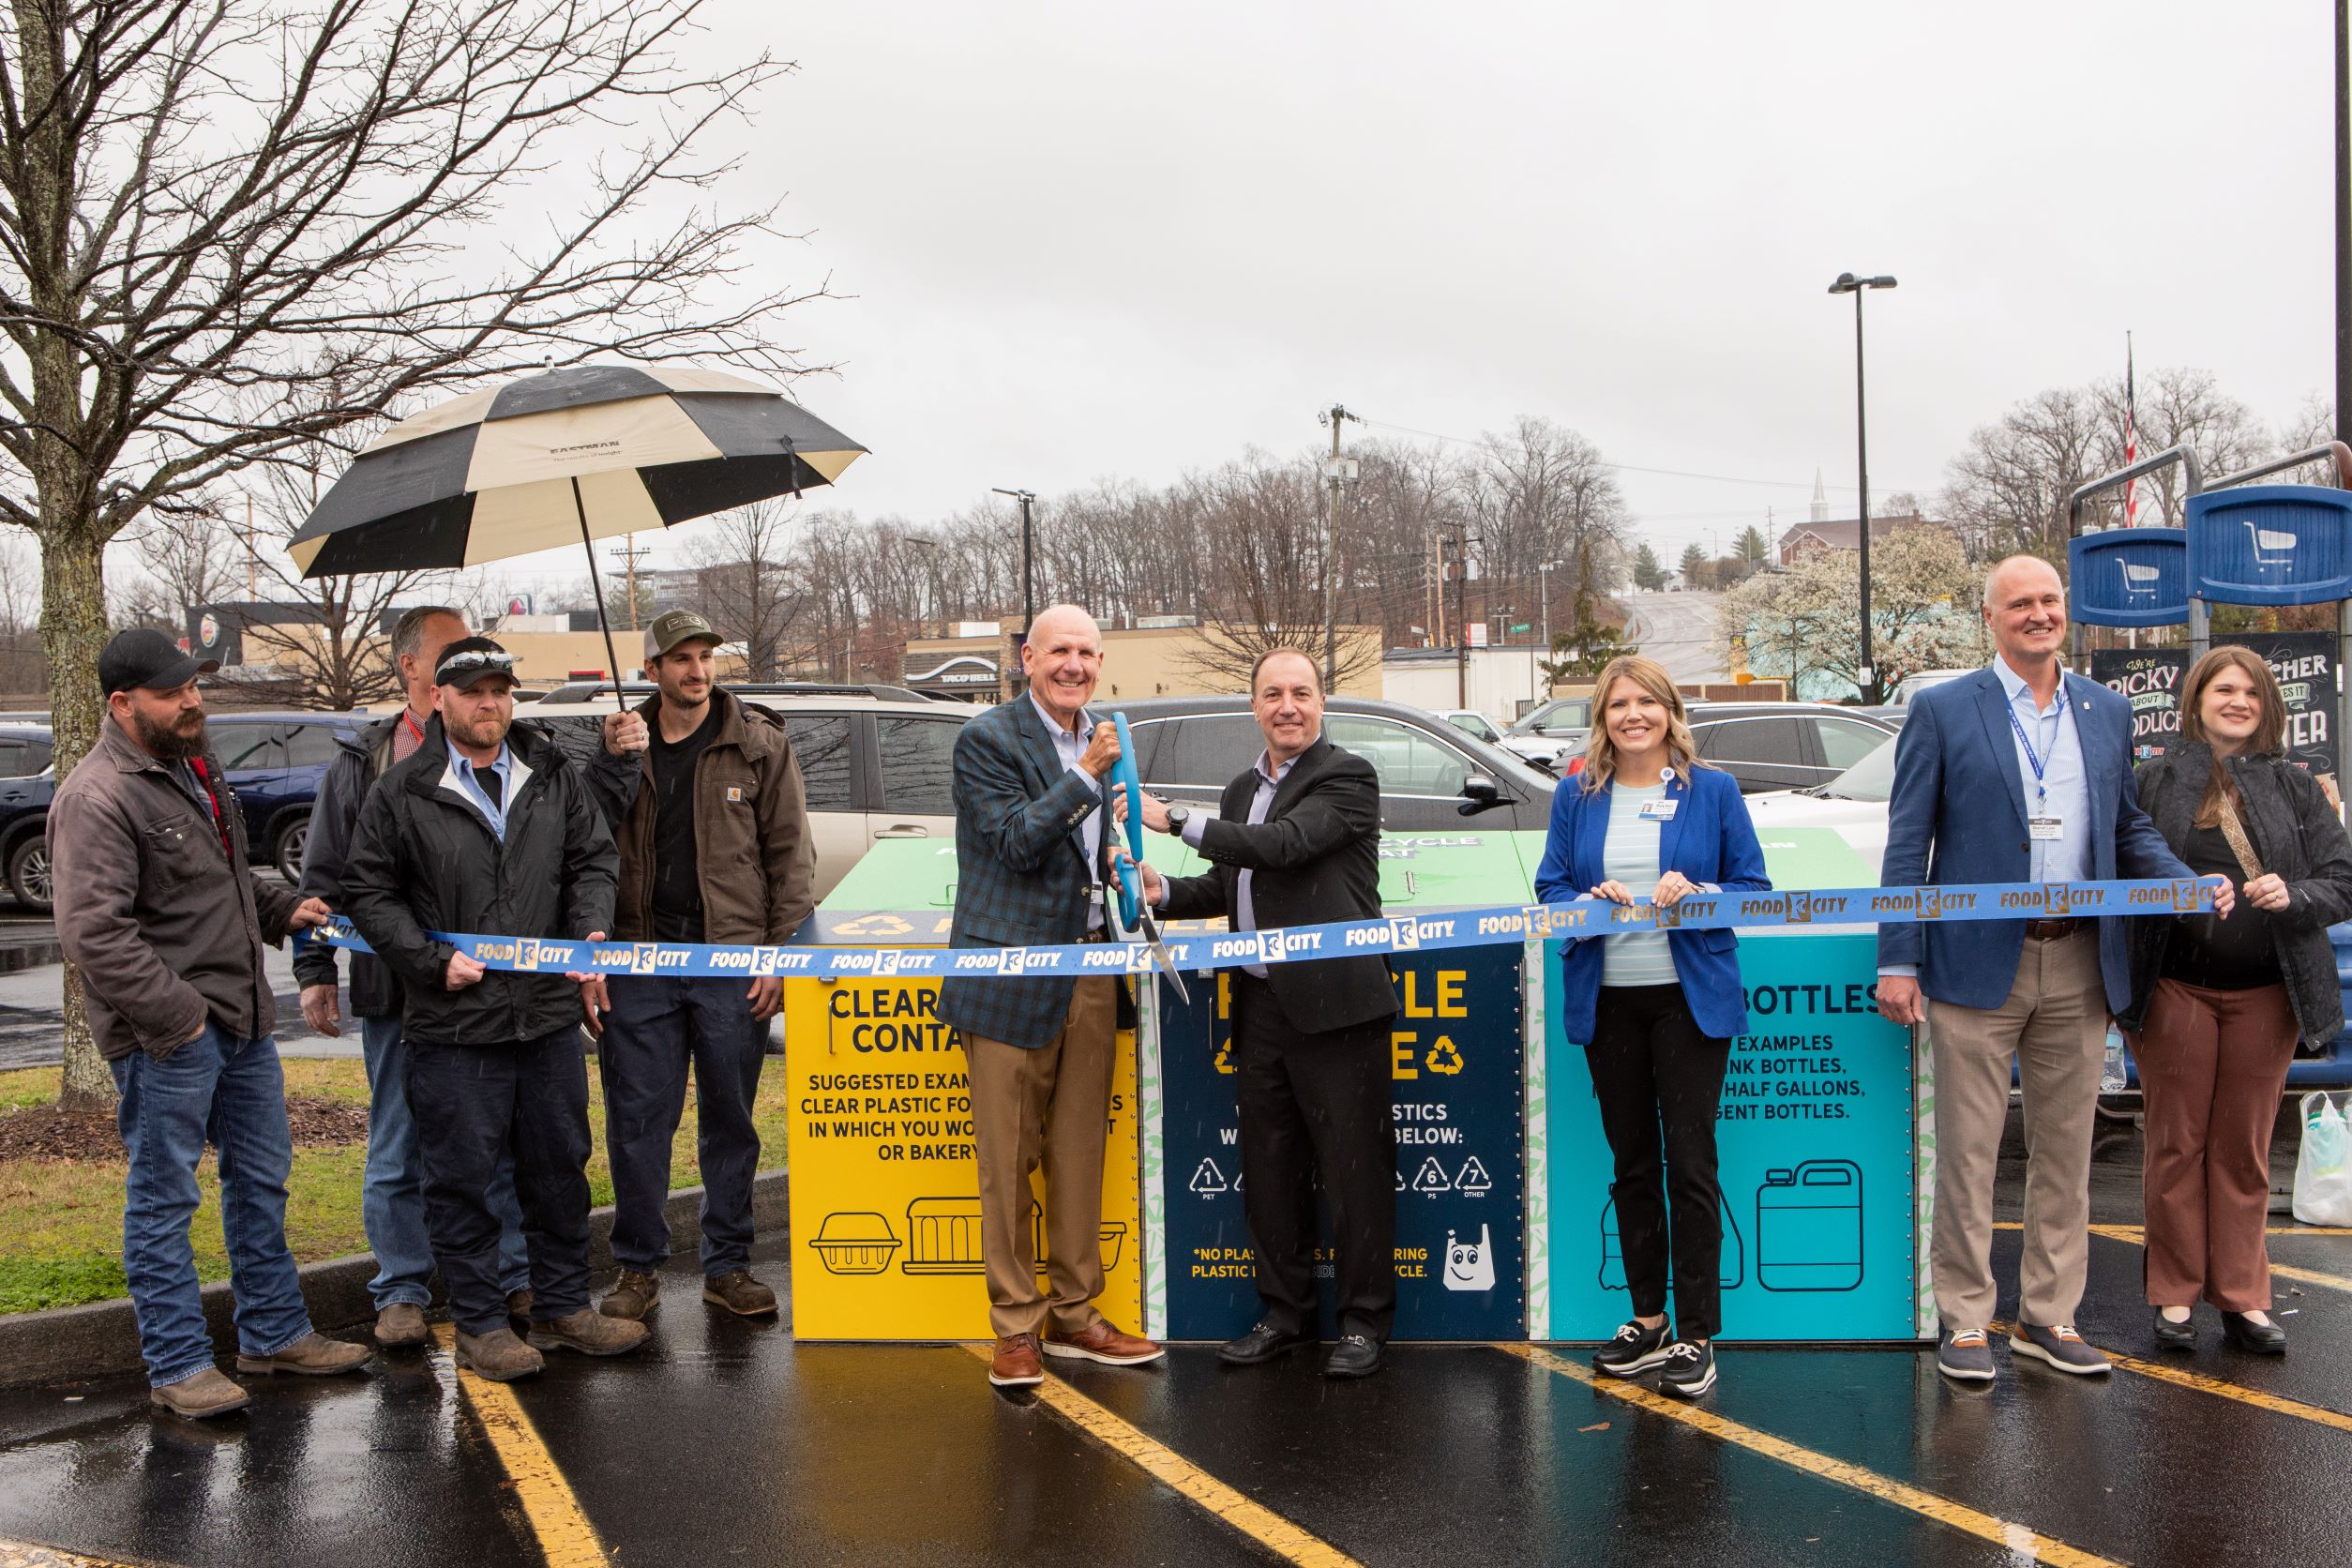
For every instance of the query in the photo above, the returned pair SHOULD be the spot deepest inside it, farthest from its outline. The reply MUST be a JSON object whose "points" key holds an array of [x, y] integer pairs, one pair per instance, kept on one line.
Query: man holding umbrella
{"points": [[487, 829], [713, 827]]}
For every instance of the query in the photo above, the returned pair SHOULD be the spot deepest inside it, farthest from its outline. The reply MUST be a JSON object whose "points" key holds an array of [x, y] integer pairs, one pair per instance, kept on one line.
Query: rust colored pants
{"points": [[2212, 1065]]}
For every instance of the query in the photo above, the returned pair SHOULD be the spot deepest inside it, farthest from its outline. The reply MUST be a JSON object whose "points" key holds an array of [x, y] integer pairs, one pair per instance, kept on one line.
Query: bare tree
{"points": [[746, 575], [1260, 524], [192, 558], [228, 228], [23, 669]]}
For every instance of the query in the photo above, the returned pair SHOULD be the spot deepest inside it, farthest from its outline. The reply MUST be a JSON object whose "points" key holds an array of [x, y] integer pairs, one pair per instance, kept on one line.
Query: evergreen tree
{"points": [[1648, 575]]}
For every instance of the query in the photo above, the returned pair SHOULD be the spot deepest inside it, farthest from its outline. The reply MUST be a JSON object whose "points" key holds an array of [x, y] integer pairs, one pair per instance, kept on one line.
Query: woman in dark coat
{"points": [[2217, 1004]]}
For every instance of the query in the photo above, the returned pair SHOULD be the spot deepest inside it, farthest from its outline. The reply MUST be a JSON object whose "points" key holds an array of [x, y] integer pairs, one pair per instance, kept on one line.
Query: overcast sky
{"points": [[1089, 240]]}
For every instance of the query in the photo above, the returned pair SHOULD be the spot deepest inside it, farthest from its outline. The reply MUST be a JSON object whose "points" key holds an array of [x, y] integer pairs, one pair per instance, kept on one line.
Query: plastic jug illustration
{"points": [[1471, 1265], [1809, 1228], [1733, 1265]]}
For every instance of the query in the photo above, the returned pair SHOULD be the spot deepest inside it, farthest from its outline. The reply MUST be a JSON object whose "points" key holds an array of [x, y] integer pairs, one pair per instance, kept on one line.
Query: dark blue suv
{"points": [[275, 763]]}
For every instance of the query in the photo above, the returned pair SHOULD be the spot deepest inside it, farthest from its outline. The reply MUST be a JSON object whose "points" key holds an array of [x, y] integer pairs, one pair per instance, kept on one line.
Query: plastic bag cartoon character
{"points": [[1471, 1266]]}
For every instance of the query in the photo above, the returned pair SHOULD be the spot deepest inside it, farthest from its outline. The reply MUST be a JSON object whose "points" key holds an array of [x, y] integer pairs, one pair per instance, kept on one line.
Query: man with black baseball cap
{"points": [[486, 829], [166, 923], [713, 826]]}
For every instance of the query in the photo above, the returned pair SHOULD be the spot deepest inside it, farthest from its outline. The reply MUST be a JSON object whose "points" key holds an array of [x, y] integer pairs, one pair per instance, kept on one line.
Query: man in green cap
{"points": [[705, 799]]}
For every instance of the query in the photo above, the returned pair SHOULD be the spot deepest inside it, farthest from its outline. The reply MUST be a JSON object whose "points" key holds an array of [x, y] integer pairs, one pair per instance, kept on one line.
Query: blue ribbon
{"points": [[1403, 933]]}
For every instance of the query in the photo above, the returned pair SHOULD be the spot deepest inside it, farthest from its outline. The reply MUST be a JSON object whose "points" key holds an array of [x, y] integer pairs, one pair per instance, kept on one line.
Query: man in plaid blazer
{"points": [[1031, 826]]}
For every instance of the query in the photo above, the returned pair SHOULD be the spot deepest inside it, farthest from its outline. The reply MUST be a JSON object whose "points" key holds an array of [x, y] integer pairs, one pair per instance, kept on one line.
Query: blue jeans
{"points": [[231, 1095], [392, 1201], [656, 1028]]}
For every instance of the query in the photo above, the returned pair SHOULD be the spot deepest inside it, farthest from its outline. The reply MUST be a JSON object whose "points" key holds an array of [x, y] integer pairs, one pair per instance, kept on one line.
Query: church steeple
{"points": [[1820, 498]]}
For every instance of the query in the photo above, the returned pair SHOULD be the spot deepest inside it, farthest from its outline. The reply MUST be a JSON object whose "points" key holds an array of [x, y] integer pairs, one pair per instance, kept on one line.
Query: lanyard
{"points": [[410, 720], [2034, 758]]}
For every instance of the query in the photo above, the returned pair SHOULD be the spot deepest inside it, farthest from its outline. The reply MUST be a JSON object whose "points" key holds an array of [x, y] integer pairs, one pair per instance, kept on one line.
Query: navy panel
{"points": [[692, 490], [2129, 577], [393, 482], [743, 425], [572, 389], [422, 539], [2270, 545]]}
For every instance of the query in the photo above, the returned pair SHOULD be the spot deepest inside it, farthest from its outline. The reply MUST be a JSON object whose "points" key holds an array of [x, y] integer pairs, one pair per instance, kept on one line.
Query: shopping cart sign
{"points": [[2270, 545], [2129, 577]]}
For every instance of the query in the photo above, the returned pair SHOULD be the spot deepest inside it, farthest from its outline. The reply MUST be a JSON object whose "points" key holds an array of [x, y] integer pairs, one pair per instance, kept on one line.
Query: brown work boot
{"points": [[1101, 1342], [400, 1325], [518, 1306], [592, 1333], [739, 1294], [632, 1296], [313, 1354], [208, 1393], [498, 1355], [1017, 1365]]}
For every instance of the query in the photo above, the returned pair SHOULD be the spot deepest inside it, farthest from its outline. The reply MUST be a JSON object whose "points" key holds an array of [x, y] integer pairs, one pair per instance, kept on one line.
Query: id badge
{"points": [[2049, 829], [1659, 811]]}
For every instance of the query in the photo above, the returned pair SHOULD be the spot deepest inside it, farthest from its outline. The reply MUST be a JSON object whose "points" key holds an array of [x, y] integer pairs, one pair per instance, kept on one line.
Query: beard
{"points": [[483, 730], [175, 742]]}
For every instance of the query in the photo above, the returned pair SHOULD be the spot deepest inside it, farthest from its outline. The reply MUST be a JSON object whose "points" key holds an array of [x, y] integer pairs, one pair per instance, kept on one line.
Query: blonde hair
{"points": [[1600, 751]]}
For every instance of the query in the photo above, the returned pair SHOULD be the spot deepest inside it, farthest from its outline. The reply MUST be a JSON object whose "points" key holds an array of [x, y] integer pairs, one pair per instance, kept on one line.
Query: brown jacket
{"points": [[168, 932], [754, 855]]}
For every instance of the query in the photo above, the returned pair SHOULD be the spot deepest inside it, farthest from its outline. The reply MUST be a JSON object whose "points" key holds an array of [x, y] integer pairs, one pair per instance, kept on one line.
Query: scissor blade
{"points": [[1160, 954]]}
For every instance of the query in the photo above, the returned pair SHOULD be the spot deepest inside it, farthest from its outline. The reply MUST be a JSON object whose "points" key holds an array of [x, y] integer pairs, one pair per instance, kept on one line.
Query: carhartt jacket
{"points": [[166, 927]]}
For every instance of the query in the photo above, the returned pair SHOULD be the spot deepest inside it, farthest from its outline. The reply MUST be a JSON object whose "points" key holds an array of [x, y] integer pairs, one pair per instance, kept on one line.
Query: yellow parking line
{"points": [[2137, 1236], [1260, 1524], [32, 1554], [1944, 1510], [2278, 1404], [2134, 1232], [565, 1536]]}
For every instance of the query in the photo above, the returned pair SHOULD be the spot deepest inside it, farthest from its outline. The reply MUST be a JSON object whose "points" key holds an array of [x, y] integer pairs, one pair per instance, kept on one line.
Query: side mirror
{"points": [[1480, 793]]}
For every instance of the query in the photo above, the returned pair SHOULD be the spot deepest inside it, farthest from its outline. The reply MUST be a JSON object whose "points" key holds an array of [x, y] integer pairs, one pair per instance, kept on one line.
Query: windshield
{"points": [[1561, 713], [1872, 778]]}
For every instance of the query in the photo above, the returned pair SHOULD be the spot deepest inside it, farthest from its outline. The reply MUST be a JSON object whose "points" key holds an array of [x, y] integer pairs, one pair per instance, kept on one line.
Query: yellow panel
{"points": [[441, 417], [635, 432], [830, 465], [885, 1197], [516, 520], [688, 378]]}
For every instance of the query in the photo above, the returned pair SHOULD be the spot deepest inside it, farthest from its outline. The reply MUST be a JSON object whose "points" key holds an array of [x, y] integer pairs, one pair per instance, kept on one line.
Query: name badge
{"points": [[2048, 828], [1658, 810]]}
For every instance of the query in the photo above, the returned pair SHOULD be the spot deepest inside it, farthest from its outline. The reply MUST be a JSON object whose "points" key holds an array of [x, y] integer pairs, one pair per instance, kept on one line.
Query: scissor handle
{"points": [[1124, 777]]}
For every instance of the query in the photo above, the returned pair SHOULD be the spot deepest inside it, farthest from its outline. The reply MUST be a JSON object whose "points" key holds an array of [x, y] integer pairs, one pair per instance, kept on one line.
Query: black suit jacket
{"points": [[1316, 858]]}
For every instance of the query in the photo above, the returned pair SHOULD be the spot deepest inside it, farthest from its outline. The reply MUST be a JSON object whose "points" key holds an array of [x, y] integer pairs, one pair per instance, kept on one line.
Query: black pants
{"points": [[1658, 1080], [1309, 1102], [473, 1104]]}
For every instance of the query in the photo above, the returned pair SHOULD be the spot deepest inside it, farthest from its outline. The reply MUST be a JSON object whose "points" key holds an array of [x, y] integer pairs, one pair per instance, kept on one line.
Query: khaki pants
{"points": [[1050, 1107], [2053, 1026]]}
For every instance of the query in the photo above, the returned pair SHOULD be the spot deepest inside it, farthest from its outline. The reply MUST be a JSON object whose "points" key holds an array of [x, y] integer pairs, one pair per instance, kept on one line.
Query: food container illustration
{"points": [[853, 1242], [943, 1236], [1809, 1228], [1113, 1234]]}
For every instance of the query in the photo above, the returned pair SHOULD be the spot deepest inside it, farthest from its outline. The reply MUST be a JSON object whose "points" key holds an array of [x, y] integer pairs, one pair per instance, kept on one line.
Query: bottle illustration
{"points": [[1733, 1268], [1809, 1228]]}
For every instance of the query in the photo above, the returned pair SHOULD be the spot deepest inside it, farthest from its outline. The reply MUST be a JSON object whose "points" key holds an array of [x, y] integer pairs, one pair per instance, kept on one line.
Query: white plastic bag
{"points": [[2323, 1169]]}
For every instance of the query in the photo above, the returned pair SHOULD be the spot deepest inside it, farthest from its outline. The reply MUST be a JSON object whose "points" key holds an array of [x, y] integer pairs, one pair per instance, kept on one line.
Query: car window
{"points": [[1209, 751], [1776, 741], [38, 756], [249, 747], [1409, 762], [308, 745], [1872, 778], [1844, 742], [820, 744], [15, 760], [1471, 724], [917, 763]]}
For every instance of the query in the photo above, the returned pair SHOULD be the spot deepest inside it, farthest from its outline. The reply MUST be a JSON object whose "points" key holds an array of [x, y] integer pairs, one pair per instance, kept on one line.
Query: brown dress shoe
{"points": [[208, 1393], [1017, 1365], [592, 1333], [498, 1355], [313, 1354], [1099, 1341], [741, 1294], [518, 1306], [632, 1296], [401, 1324]]}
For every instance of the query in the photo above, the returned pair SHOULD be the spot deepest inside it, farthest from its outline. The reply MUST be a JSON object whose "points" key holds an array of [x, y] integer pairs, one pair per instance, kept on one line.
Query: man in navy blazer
{"points": [[2021, 773]]}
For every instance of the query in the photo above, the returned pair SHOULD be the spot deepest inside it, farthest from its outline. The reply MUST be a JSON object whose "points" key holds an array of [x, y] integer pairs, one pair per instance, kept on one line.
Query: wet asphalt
{"points": [[726, 1442]]}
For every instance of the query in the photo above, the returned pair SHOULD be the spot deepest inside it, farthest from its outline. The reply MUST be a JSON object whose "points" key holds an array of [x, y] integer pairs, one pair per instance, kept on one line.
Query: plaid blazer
{"points": [[1021, 872]]}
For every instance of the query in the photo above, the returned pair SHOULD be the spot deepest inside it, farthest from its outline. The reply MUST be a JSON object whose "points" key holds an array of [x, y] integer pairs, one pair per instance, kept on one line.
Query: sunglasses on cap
{"points": [[472, 665]]}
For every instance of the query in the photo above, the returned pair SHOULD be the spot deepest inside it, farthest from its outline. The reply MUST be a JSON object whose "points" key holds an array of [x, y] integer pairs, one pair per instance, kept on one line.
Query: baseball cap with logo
{"points": [[674, 627], [145, 659]]}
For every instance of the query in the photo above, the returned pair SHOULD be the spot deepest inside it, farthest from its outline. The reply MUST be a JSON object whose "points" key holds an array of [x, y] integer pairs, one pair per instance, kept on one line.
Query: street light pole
{"points": [[1848, 283], [1029, 575]]}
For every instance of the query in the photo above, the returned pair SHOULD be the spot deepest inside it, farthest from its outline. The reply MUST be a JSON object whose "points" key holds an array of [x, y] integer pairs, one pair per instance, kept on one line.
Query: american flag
{"points": [[2130, 436]]}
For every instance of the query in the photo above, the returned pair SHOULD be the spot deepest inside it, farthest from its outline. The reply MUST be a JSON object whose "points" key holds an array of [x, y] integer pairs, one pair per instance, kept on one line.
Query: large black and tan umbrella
{"points": [[581, 454]]}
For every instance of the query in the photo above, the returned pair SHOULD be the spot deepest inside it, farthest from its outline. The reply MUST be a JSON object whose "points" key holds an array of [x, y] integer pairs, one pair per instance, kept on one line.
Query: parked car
{"points": [[25, 750], [1785, 745], [1432, 775], [24, 843], [1919, 681], [873, 768], [1473, 723], [1551, 733], [275, 763]]}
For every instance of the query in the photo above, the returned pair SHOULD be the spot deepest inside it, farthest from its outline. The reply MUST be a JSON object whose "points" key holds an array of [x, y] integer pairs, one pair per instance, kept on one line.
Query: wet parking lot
{"points": [[728, 1442]]}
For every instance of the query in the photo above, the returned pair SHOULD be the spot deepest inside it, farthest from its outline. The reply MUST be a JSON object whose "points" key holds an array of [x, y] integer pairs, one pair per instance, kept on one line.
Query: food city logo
{"points": [[1923, 903], [885, 963], [636, 958], [1400, 934], [527, 954], [1794, 909], [2056, 900], [1006, 961], [1127, 958], [2182, 896], [1690, 909], [1271, 945]]}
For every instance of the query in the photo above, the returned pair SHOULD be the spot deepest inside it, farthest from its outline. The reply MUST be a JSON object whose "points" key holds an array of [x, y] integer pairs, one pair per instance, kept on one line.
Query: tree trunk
{"points": [[73, 629]]}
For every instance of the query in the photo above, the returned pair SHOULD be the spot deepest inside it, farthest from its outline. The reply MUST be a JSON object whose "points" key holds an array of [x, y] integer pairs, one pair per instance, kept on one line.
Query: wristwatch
{"points": [[1177, 817]]}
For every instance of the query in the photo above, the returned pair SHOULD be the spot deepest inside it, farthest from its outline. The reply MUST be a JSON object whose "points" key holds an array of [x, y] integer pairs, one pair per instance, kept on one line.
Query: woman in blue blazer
{"points": [[1655, 1011]]}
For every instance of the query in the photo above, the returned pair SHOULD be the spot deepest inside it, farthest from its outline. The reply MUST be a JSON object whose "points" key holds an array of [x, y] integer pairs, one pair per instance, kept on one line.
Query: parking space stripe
{"points": [[31, 1554], [1943, 1510], [1262, 1525], [2137, 1236], [565, 1536], [2278, 1404]]}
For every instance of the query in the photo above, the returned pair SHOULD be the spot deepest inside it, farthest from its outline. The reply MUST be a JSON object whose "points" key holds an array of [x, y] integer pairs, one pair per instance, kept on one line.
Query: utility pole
{"points": [[1029, 569], [1338, 472], [630, 554], [2344, 219], [1462, 615]]}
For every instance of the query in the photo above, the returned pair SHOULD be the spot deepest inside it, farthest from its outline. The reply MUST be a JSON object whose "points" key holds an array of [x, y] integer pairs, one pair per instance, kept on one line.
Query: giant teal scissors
{"points": [[1134, 915]]}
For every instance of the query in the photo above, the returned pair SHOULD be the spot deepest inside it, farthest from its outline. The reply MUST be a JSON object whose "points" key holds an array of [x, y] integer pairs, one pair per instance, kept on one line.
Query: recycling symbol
{"points": [[1208, 1181], [1430, 1178], [1225, 1057], [874, 926], [1400, 1181], [1444, 1057], [1473, 1179]]}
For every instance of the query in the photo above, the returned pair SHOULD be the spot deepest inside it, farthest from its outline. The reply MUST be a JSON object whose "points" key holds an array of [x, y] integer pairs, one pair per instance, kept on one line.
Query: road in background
{"points": [[1679, 631]]}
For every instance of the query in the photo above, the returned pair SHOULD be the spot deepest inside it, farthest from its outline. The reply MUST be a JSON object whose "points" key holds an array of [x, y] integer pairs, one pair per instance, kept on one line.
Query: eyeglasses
{"points": [[477, 661]]}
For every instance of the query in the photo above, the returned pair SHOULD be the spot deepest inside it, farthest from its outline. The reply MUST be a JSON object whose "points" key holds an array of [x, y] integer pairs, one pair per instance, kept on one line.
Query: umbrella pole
{"points": [[604, 622]]}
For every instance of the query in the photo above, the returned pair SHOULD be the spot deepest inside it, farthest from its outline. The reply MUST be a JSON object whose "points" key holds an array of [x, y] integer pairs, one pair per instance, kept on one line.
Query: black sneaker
{"points": [[1634, 1351], [1690, 1368]]}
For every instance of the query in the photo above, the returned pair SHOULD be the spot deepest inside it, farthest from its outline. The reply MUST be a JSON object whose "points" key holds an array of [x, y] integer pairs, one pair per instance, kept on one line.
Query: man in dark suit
{"points": [[1296, 841], [1030, 836]]}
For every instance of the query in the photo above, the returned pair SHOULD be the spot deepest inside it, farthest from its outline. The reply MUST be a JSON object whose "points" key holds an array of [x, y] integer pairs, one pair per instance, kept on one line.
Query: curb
{"points": [[17, 956], [100, 1339]]}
